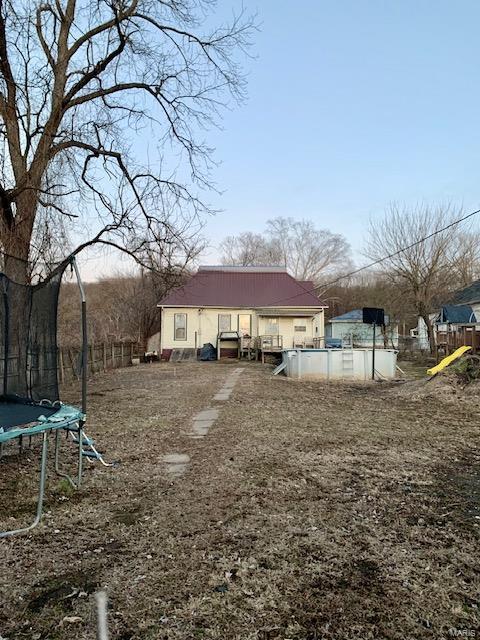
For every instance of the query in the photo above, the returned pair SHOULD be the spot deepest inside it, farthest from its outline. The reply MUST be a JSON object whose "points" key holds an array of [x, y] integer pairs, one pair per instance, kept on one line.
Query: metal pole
{"points": [[102, 625], [84, 337], [373, 352], [5, 341], [41, 490], [84, 371]]}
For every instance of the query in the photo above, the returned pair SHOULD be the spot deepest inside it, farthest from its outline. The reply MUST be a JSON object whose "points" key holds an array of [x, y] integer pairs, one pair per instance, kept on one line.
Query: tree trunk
{"points": [[16, 262], [16, 238], [430, 332]]}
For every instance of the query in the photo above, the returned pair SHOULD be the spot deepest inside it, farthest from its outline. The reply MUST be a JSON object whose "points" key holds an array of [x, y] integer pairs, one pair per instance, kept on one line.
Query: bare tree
{"points": [[79, 81], [306, 252], [161, 275], [465, 251], [124, 307], [248, 249], [425, 272]]}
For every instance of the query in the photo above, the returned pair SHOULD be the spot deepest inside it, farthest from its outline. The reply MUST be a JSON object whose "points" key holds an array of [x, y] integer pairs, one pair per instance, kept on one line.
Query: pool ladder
{"points": [[347, 358]]}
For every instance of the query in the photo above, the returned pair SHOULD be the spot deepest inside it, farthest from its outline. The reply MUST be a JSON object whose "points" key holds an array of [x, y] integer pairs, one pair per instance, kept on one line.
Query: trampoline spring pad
{"points": [[19, 418]]}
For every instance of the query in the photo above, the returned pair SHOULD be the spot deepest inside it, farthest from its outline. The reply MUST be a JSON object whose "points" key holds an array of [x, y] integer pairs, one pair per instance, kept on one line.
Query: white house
{"points": [[256, 302], [350, 328]]}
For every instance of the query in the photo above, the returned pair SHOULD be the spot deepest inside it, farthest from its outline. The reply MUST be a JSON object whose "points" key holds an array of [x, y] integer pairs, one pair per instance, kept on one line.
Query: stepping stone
{"points": [[222, 396], [177, 463]]}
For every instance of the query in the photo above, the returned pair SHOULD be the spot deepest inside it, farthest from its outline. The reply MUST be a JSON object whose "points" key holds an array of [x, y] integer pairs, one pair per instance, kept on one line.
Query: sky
{"points": [[352, 105]]}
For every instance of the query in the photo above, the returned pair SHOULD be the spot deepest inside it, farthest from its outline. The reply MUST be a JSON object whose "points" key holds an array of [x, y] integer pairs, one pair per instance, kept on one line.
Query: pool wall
{"points": [[339, 364]]}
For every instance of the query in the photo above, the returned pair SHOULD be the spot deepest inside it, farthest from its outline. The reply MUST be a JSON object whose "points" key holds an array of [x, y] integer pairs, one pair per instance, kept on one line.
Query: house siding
{"points": [[202, 326], [362, 333]]}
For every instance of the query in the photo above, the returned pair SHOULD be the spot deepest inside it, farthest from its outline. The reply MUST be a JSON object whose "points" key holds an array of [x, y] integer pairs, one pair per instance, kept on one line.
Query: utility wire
{"points": [[379, 261], [351, 273]]}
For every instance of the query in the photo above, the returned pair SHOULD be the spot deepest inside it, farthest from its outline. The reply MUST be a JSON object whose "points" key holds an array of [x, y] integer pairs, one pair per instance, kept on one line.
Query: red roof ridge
{"points": [[243, 268]]}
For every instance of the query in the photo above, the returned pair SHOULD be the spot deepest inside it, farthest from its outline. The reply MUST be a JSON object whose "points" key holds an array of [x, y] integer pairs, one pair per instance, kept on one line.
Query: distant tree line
{"points": [[423, 258], [306, 252], [120, 308]]}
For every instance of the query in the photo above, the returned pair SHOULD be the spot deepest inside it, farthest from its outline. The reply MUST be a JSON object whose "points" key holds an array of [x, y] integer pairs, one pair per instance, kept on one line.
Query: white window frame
{"points": [[238, 323], [175, 328], [224, 315], [273, 321]]}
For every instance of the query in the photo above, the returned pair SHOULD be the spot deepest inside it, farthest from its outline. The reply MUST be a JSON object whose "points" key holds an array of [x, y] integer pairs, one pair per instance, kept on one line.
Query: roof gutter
{"points": [[219, 306]]}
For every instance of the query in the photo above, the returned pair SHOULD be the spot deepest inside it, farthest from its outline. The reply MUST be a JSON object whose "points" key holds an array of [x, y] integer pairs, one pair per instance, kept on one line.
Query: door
{"points": [[300, 333]]}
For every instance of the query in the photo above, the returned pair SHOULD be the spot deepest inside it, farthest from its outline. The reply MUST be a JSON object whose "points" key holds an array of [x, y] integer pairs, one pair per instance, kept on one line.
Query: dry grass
{"points": [[310, 510]]}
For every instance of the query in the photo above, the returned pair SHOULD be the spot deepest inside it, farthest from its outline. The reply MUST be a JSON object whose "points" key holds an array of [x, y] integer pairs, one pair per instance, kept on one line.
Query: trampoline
{"points": [[19, 417], [29, 396]]}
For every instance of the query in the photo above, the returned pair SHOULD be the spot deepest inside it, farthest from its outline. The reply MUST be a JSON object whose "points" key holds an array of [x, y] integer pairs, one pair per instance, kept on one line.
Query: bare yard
{"points": [[278, 510]]}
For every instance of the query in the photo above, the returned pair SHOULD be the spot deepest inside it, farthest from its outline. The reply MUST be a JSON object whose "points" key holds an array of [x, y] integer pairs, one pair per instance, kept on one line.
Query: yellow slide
{"points": [[448, 360]]}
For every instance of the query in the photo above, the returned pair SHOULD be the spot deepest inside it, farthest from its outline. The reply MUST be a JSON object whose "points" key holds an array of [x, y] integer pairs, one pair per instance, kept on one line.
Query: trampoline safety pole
{"points": [[84, 337], [84, 369], [373, 351], [41, 491]]}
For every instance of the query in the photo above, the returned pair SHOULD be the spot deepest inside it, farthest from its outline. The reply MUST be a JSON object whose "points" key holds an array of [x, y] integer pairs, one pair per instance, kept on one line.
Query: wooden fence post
{"points": [[68, 359]]}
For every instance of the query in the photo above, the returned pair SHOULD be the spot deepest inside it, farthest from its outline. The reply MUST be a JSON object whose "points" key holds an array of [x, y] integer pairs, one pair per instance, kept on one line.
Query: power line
{"points": [[351, 273], [380, 260]]}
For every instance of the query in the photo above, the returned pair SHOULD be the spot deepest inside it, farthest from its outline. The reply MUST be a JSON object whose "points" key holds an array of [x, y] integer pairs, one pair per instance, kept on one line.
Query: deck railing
{"points": [[467, 335], [275, 342], [270, 342]]}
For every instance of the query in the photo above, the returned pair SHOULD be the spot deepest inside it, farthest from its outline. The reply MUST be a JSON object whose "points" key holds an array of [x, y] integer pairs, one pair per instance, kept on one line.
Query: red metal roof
{"points": [[243, 287]]}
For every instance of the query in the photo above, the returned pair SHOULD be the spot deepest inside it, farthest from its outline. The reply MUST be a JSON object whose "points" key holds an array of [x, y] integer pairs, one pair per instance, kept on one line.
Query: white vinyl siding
{"points": [[300, 325]]}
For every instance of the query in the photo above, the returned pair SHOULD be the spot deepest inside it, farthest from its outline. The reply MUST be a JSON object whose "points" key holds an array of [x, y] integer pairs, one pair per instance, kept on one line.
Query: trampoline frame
{"points": [[66, 418]]}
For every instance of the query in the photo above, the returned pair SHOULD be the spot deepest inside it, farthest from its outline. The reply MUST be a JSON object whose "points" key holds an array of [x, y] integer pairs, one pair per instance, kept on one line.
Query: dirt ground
{"points": [[306, 510]]}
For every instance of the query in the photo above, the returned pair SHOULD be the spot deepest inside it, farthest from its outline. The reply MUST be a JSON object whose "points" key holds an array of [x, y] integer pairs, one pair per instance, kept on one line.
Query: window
{"points": [[180, 330], [224, 322], [271, 327], [244, 324]]}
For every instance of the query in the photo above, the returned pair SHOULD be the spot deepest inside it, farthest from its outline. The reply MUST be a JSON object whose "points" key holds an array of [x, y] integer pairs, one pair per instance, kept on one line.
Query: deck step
{"points": [[91, 454], [85, 440], [279, 369]]}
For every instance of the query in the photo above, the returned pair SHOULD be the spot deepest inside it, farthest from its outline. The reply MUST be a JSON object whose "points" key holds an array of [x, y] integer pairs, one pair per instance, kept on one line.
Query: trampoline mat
{"points": [[14, 414]]}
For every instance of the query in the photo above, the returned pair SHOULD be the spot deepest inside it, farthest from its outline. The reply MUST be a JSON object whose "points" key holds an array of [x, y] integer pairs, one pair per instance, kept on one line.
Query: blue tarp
{"points": [[457, 314], [208, 352]]}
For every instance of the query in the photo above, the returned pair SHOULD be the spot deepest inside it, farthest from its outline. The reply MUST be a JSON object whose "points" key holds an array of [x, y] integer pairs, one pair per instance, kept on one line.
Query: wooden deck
{"points": [[467, 335]]}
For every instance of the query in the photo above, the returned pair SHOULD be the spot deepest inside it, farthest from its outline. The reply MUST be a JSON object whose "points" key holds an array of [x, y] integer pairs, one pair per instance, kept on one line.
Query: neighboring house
{"points": [[349, 327], [420, 333], [451, 319], [253, 301]]}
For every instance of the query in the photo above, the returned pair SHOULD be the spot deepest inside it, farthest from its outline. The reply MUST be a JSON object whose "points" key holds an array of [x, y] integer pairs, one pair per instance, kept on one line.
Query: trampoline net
{"points": [[28, 338]]}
